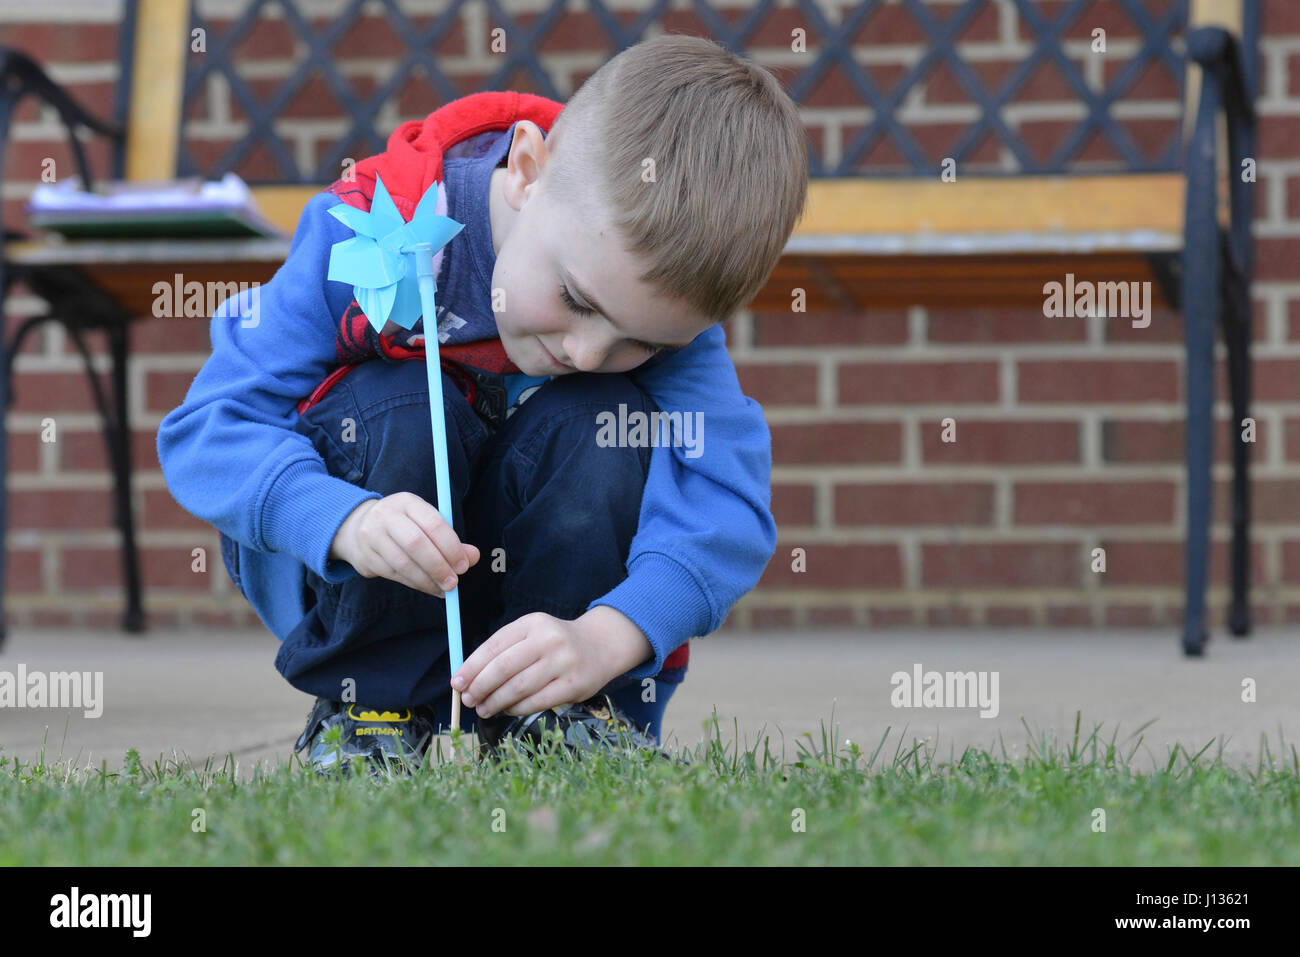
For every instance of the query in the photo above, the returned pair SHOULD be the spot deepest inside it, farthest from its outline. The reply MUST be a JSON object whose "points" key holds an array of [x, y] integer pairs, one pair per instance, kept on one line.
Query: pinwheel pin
{"points": [[389, 264]]}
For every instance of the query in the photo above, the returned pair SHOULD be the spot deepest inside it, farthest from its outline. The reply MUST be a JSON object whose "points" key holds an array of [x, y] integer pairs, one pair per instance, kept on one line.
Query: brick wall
{"points": [[1071, 434]]}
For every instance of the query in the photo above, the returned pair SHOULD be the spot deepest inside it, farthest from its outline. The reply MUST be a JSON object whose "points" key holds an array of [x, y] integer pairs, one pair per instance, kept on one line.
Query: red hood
{"points": [[413, 160]]}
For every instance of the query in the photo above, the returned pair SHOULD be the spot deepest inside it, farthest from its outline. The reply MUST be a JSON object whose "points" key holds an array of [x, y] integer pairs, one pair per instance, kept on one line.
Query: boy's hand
{"points": [[403, 538], [538, 661]]}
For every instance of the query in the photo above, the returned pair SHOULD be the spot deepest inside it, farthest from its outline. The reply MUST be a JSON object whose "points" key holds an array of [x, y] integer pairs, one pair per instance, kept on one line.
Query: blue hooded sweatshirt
{"points": [[229, 454]]}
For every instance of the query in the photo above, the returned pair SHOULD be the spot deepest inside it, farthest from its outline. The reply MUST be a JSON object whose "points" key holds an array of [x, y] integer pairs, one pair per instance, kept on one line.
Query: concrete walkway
{"points": [[219, 692]]}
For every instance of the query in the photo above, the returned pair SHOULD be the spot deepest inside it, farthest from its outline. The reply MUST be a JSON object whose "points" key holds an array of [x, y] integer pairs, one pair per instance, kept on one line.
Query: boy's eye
{"points": [[581, 310], [569, 301]]}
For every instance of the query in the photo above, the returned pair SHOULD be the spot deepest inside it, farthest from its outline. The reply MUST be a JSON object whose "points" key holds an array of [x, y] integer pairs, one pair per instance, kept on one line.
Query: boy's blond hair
{"points": [[730, 166]]}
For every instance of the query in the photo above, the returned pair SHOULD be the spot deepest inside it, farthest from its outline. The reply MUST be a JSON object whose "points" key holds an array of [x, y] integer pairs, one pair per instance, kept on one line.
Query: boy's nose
{"points": [[586, 353]]}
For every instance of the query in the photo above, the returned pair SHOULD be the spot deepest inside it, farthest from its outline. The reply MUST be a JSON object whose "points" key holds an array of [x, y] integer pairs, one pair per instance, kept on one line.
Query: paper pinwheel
{"points": [[389, 264], [374, 262]]}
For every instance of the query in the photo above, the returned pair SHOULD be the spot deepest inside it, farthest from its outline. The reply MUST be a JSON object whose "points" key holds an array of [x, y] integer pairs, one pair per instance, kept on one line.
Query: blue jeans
{"points": [[550, 510]]}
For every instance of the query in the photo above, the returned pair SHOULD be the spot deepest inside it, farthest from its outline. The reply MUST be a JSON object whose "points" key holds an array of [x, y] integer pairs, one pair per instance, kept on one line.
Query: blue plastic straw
{"points": [[423, 253]]}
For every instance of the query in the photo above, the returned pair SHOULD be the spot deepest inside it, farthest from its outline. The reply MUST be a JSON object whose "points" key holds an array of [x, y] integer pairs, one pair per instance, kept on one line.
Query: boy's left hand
{"points": [[539, 661]]}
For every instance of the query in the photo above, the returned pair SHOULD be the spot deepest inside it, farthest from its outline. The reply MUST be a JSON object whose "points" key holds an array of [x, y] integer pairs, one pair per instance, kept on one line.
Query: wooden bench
{"points": [[987, 240]]}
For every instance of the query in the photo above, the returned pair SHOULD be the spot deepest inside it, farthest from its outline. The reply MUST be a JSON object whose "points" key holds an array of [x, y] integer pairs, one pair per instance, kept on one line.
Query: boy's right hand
{"points": [[403, 538]]}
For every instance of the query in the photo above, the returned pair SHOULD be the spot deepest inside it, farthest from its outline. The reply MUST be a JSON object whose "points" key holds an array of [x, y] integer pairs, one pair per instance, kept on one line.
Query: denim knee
{"points": [[374, 429]]}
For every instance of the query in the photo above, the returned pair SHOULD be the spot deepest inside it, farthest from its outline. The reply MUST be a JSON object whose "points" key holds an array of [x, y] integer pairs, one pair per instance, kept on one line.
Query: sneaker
{"points": [[397, 737], [596, 723]]}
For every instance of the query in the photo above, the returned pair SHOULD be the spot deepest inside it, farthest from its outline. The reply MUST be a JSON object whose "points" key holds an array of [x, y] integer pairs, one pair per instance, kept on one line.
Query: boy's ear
{"points": [[528, 153]]}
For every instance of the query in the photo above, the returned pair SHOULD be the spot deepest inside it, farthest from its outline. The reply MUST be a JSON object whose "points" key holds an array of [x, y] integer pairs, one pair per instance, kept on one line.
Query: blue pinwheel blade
{"points": [[428, 204], [377, 304], [406, 307], [355, 219], [362, 262], [383, 212]]}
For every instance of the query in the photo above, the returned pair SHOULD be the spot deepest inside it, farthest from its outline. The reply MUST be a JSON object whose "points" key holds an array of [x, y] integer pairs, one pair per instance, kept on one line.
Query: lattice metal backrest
{"points": [[285, 90]]}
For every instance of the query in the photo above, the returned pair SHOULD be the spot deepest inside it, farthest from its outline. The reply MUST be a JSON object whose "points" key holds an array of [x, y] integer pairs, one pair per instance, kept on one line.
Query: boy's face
{"points": [[546, 252]]}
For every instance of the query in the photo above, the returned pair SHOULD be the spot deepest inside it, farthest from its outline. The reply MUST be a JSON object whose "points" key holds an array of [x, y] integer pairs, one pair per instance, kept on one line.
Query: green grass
{"points": [[889, 804]]}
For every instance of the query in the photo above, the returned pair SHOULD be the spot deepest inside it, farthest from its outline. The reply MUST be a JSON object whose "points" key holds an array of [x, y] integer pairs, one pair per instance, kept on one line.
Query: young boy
{"points": [[602, 246]]}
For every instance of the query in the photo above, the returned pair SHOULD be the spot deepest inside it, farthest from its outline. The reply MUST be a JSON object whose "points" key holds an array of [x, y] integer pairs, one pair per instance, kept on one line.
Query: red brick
{"points": [[833, 615], [938, 141], [1151, 135], [1086, 380], [160, 510], [1292, 194], [205, 618], [1279, 138], [1271, 500], [1293, 320], [1109, 16], [1008, 616], [1093, 503], [1291, 561], [1000, 442], [22, 570], [1280, 17], [1045, 138], [880, 156], [836, 442], [834, 89], [910, 503], [1291, 439], [892, 383], [1162, 563], [993, 564], [1166, 326], [769, 618], [890, 24], [1147, 441], [1069, 616], [26, 160], [61, 508], [170, 335], [777, 30], [95, 97], [314, 97], [773, 384], [164, 391], [52, 618], [881, 327], [50, 43], [1129, 615], [257, 166], [1156, 82], [172, 567], [793, 504], [86, 451], [835, 566], [91, 569], [998, 325], [371, 36], [889, 617], [1272, 380], [949, 615], [24, 454], [1275, 258], [943, 87]]}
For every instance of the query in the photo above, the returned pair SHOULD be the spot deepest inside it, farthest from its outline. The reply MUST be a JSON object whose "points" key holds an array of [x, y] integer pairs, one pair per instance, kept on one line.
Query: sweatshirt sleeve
{"points": [[229, 453], [706, 530]]}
